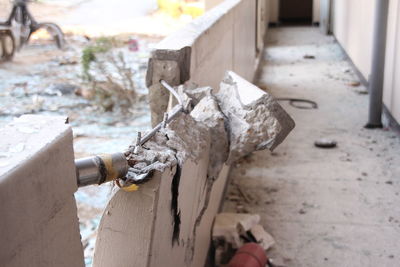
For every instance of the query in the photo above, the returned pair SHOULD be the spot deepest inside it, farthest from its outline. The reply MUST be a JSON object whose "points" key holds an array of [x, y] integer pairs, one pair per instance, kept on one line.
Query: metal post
{"points": [[378, 65]]}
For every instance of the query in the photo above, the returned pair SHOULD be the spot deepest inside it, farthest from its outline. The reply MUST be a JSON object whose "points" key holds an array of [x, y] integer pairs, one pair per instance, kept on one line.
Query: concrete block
{"points": [[230, 226], [181, 56], [39, 223], [256, 121]]}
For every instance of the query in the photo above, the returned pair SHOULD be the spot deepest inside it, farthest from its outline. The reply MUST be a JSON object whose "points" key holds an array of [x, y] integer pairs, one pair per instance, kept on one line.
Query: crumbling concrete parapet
{"points": [[255, 120], [191, 152]]}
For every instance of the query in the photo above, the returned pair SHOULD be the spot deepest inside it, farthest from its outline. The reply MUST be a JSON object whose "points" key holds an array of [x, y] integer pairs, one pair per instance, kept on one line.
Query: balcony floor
{"points": [[324, 207]]}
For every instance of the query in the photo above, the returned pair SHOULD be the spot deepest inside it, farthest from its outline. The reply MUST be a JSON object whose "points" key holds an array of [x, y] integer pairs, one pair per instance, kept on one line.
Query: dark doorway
{"points": [[296, 11]]}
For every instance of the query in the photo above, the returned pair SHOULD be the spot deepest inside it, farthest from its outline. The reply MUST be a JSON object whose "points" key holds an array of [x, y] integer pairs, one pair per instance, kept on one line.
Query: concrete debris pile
{"points": [[236, 121]]}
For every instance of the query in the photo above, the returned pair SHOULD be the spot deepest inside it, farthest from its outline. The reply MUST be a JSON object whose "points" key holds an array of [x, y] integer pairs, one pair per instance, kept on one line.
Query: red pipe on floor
{"points": [[249, 255]]}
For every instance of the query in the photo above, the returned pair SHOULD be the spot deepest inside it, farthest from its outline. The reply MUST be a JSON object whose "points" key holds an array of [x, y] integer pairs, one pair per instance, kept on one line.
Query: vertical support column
{"points": [[378, 65]]}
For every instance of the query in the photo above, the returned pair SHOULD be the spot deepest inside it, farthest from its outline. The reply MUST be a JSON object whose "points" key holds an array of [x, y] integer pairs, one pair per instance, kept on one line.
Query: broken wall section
{"points": [[224, 38], [170, 219]]}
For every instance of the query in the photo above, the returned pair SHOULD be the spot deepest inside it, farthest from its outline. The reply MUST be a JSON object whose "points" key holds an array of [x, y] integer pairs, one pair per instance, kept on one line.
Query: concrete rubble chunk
{"points": [[196, 93], [262, 237], [184, 138], [230, 226], [256, 120], [232, 230], [207, 112], [188, 137]]}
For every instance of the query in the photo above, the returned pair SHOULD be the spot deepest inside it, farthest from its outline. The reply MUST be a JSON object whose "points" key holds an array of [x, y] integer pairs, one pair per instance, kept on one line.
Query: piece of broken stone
{"points": [[255, 120], [230, 226], [262, 237], [188, 137], [197, 93], [207, 112]]}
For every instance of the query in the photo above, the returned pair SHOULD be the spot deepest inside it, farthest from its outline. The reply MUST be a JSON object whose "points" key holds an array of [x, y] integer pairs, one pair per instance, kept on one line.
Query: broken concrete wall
{"points": [[140, 224], [39, 223], [158, 224], [168, 221], [222, 39]]}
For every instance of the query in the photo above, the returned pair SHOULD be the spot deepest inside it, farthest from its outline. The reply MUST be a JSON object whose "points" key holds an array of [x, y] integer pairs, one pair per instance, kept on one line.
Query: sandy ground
{"points": [[324, 207]]}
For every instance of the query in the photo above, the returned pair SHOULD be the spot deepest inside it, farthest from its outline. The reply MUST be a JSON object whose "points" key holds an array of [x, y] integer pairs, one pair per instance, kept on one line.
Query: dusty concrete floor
{"points": [[337, 207]]}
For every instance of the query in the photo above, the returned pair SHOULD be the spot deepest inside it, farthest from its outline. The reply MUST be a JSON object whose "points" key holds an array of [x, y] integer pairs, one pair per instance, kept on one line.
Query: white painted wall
{"points": [[353, 27], [391, 91], [353, 22], [137, 227]]}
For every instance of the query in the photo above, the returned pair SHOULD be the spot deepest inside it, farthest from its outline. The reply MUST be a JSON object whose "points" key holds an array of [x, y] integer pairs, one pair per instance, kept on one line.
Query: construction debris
{"points": [[232, 230], [255, 120], [239, 120], [262, 237]]}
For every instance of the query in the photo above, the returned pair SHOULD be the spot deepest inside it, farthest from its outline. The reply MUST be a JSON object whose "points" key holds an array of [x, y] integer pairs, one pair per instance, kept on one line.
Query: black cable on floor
{"points": [[293, 101]]}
